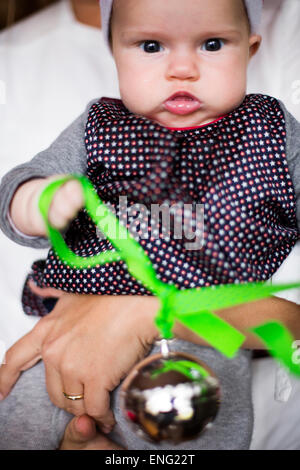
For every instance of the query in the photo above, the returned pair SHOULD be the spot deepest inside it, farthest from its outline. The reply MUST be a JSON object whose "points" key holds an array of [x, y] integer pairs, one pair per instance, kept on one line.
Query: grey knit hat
{"points": [[254, 8]]}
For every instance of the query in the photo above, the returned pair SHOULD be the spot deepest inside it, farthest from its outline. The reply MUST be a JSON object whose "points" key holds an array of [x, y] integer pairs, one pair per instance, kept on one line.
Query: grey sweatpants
{"points": [[29, 421]]}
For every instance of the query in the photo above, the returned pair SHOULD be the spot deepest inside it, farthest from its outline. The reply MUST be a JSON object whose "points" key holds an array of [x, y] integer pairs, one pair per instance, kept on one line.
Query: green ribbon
{"points": [[191, 307]]}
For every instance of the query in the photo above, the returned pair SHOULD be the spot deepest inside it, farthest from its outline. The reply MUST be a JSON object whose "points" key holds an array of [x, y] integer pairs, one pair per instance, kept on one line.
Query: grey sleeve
{"points": [[293, 154], [66, 155]]}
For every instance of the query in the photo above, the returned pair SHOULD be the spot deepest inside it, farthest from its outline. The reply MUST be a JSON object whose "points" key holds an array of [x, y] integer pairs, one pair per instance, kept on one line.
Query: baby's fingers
{"points": [[73, 191], [65, 205]]}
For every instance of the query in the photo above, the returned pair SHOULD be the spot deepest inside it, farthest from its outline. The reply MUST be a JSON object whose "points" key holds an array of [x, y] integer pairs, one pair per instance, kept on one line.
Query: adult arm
{"points": [[83, 331]]}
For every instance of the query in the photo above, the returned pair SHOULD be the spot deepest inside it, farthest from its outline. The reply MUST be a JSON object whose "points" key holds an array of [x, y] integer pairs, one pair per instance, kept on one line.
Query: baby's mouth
{"points": [[182, 103]]}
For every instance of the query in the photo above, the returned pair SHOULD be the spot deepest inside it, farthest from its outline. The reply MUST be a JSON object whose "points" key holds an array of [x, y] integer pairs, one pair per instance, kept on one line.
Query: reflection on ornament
{"points": [[171, 398]]}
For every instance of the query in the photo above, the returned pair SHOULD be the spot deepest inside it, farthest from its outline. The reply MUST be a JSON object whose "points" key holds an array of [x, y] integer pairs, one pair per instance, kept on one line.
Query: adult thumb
{"points": [[81, 434], [79, 431]]}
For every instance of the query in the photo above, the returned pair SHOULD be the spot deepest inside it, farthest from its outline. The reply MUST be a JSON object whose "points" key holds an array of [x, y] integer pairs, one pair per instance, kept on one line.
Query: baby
{"points": [[183, 132], [178, 70], [186, 132]]}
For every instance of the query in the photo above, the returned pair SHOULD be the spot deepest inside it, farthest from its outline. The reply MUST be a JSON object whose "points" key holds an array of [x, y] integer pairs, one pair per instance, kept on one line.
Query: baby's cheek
{"points": [[131, 96], [137, 94], [232, 88], [127, 90], [238, 88]]}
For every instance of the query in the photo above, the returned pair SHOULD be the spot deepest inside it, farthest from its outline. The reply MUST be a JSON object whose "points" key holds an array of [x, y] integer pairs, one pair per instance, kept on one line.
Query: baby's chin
{"points": [[176, 122], [192, 120], [171, 122]]}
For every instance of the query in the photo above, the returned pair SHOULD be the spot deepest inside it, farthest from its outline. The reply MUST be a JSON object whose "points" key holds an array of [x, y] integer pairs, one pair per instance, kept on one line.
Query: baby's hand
{"points": [[25, 212], [65, 204]]}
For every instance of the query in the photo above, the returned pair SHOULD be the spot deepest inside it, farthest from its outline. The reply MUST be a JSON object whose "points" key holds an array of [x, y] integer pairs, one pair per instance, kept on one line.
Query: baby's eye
{"points": [[151, 46], [213, 45]]}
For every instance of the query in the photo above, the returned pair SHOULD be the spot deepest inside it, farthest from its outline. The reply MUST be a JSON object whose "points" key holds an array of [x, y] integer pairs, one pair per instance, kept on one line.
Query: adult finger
{"points": [[60, 378], [54, 386], [74, 388], [97, 405], [25, 353], [44, 292]]}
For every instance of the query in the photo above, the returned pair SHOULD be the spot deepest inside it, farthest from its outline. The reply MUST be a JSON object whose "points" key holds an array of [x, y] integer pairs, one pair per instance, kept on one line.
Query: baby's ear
{"points": [[254, 44]]}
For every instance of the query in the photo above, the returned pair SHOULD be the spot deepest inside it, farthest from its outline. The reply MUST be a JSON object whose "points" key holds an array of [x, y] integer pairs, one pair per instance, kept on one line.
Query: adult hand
{"points": [[81, 434], [88, 344]]}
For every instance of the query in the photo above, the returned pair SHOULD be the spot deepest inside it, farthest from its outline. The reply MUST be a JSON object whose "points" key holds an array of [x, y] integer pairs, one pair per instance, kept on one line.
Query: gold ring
{"points": [[74, 397]]}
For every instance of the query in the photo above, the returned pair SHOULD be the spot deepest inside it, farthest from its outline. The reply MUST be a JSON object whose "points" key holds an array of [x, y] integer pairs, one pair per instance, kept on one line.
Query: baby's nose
{"points": [[183, 66]]}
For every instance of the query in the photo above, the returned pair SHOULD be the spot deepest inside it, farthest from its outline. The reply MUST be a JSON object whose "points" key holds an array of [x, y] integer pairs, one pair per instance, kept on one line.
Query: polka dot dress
{"points": [[226, 188]]}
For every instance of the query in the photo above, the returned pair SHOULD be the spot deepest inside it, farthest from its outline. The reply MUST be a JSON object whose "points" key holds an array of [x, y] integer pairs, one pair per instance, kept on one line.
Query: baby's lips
{"points": [[182, 103]]}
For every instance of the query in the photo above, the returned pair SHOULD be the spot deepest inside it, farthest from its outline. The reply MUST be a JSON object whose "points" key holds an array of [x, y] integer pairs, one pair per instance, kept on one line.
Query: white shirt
{"points": [[275, 70]]}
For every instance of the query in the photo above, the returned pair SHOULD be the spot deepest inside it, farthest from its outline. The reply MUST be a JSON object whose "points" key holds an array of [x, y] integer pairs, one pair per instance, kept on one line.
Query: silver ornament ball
{"points": [[170, 398]]}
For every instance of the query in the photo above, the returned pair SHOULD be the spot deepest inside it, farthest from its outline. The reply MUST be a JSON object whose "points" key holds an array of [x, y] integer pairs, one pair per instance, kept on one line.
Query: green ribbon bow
{"points": [[191, 307]]}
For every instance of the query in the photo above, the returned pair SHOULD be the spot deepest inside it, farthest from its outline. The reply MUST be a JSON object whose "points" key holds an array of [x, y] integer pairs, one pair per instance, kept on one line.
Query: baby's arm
{"points": [[66, 155]]}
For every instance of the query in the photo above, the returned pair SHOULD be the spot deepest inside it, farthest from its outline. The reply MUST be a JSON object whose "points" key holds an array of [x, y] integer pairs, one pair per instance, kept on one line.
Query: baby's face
{"points": [[182, 63]]}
